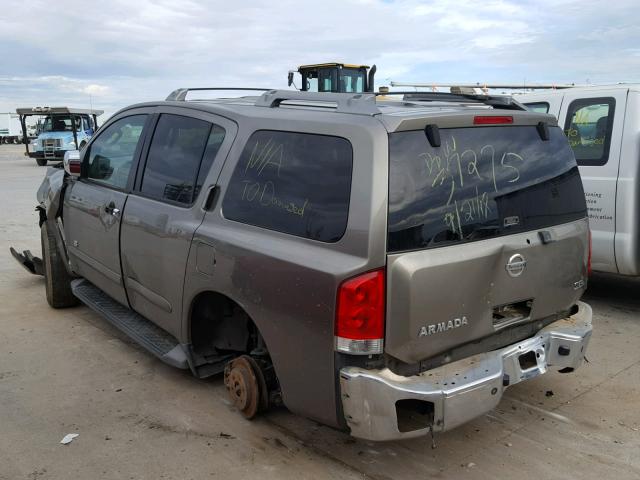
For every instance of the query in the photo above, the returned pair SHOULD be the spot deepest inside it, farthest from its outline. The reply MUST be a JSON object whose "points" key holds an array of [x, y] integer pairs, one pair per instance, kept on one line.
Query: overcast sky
{"points": [[117, 52]]}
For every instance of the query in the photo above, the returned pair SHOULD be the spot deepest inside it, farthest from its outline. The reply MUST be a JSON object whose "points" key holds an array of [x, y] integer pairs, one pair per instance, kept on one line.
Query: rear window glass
{"points": [[295, 183], [481, 182], [588, 127]]}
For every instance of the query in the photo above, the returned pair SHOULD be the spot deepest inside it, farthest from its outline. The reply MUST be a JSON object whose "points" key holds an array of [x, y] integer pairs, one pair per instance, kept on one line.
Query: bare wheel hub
{"points": [[242, 378]]}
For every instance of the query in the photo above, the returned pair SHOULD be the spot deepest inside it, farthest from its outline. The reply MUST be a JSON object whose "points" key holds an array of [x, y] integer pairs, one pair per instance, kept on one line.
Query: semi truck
{"points": [[10, 128]]}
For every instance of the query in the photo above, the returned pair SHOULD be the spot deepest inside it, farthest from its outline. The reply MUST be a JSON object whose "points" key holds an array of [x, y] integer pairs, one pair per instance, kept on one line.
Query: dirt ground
{"points": [[68, 371]]}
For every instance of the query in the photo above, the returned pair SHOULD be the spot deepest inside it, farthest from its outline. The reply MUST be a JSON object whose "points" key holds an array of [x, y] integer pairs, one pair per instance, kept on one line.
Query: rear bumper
{"points": [[460, 391]]}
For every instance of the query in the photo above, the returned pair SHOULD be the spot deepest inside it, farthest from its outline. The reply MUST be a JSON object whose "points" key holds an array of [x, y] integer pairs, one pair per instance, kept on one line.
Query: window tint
{"points": [[111, 154], [181, 153], [295, 183], [588, 128], [482, 182], [540, 107]]}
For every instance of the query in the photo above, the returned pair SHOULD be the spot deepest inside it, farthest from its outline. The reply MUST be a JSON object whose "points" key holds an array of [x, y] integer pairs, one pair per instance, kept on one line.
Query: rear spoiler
{"points": [[502, 102]]}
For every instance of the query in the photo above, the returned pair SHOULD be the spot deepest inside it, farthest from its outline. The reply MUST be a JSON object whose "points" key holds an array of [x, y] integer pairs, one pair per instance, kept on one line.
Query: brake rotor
{"points": [[243, 380]]}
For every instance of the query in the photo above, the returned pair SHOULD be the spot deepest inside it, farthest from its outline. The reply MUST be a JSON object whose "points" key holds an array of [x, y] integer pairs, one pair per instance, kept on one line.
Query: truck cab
{"points": [[602, 124], [335, 77], [61, 129]]}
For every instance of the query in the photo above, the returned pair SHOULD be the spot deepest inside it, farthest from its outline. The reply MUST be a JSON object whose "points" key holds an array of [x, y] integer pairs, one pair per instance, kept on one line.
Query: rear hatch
{"points": [[486, 232]]}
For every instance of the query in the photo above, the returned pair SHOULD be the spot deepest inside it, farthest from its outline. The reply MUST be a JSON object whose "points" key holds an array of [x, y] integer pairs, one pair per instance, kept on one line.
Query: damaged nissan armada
{"points": [[384, 267]]}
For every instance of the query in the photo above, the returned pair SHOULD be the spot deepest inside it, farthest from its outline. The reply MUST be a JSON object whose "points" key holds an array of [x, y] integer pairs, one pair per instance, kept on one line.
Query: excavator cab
{"points": [[335, 77]]}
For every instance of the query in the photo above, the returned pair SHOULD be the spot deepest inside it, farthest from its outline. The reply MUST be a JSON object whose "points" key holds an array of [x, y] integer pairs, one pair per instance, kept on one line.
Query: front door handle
{"points": [[112, 210]]}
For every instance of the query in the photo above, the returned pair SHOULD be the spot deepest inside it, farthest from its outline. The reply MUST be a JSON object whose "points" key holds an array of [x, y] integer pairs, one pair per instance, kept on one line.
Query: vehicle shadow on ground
{"points": [[617, 290]]}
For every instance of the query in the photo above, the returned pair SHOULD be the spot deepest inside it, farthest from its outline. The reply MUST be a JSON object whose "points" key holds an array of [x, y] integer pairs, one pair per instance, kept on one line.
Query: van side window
{"points": [[540, 107], [179, 147], [588, 127], [294, 183]]}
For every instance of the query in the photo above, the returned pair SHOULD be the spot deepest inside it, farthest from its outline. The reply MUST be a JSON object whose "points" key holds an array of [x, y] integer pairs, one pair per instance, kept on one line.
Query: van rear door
{"points": [[485, 232], [593, 121]]}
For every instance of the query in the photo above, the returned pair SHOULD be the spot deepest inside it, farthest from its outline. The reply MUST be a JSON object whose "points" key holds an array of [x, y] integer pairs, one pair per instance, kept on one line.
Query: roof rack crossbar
{"points": [[357, 103], [180, 94]]}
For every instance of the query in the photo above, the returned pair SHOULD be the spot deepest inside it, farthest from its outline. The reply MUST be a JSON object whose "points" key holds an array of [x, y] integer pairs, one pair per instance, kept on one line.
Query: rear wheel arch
{"points": [[217, 322]]}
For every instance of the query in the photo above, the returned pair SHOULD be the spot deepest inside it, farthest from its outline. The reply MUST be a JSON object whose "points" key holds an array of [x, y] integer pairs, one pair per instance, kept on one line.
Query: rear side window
{"points": [[295, 183], [181, 153], [540, 107], [482, 182], [588, 127]]}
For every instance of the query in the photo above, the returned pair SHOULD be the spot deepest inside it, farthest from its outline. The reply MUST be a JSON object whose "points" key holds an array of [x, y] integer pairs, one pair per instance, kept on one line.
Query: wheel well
{"points": [[221, 326]]}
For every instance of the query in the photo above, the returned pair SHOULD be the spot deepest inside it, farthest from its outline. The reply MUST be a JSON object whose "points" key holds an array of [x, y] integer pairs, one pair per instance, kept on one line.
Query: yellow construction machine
{"points": [[334, 77]]}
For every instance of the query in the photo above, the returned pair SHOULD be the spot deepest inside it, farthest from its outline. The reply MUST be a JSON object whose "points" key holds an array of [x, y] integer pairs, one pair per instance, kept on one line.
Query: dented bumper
{"points": [[453, 394]]}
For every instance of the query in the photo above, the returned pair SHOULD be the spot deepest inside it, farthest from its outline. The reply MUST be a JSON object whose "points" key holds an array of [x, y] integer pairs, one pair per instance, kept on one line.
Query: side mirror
{"points": [[72, 162], [290, 78]]}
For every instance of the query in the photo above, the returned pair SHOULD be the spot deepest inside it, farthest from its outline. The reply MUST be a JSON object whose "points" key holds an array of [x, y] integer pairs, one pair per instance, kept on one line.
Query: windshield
{"points": [[481, 182], [59, 123]]}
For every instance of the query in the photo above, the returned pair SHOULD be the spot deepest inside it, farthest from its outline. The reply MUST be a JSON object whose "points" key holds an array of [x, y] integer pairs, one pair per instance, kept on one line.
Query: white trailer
{"points": [[10, 128]]}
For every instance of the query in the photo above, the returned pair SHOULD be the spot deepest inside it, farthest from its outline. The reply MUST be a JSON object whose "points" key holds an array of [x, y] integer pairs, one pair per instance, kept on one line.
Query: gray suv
{"points": [[385, 267]]}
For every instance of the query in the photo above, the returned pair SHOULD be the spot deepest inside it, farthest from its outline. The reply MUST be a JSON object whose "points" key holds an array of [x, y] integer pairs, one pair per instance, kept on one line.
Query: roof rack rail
{"points": [[180, 94], [357, 103], [509, 86], [502, 102]]}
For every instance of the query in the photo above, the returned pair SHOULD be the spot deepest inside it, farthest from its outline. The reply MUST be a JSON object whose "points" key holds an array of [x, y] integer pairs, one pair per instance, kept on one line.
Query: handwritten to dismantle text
{"points": [[270, 158]]}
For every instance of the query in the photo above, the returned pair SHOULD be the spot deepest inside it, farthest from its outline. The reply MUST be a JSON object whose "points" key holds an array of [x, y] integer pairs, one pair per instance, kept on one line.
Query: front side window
{"points": [[111, 154], [588, 127], [181, 148], [295, 183]]}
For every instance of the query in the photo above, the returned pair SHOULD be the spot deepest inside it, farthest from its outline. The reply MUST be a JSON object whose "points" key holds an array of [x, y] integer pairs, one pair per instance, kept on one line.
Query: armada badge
{"points": [[427, 330], [516, 265]]}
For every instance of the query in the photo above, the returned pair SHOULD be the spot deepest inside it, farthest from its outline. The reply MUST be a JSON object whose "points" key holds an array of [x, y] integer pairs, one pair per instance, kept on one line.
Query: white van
{"points": [[603, 126]]}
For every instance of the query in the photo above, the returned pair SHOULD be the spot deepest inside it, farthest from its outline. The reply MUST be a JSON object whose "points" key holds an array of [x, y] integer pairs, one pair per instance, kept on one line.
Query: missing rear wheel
{"points": [[246, 386]]}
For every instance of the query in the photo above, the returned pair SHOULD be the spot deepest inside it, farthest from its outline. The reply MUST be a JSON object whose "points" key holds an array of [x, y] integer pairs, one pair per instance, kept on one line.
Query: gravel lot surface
{"points": [[68, 371]]}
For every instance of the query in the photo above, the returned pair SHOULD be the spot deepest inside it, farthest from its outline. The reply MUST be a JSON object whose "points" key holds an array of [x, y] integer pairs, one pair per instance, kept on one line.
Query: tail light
{"points": [[360, 313], [492, 119], [589, 256]]}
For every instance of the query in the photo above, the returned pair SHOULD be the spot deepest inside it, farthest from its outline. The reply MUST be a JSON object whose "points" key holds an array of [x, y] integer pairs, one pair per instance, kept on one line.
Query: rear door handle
{"points": [[211, 198], [112, 210]]}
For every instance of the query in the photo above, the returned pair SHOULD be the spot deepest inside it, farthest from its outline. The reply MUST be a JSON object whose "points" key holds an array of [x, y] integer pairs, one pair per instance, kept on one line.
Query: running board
{"points": [[147, 334], [30, 263]]}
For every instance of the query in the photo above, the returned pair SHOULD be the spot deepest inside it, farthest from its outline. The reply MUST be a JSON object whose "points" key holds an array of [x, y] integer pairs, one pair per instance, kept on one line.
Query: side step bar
{"points": [[30, 263], [147, 334]]}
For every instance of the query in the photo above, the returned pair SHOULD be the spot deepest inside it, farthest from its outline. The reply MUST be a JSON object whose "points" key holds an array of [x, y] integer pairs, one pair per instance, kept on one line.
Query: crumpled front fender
{"points": [[50, 192]]}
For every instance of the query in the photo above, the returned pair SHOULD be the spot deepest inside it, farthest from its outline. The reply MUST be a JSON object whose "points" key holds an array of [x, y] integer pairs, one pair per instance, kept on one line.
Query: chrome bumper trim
{"points": [[462, 390]]}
